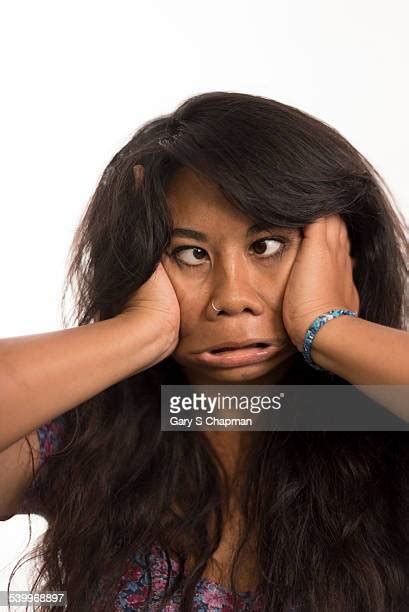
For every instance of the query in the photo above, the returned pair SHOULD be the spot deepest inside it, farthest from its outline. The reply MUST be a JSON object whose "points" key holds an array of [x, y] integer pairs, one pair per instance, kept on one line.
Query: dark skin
{"points": [[264, 297], [234, 271], [247, 285], [271, 297]]}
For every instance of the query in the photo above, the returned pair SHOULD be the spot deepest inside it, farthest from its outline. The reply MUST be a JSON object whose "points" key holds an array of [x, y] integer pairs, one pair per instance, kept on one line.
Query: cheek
{"points": [[187, 285], [191, 303], [187, 297], [283, 270], [182, 279], [274, 283]]}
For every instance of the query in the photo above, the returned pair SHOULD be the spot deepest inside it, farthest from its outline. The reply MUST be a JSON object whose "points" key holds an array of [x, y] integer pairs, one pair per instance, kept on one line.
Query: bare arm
{"points": [[44, 375], [366, 353]]}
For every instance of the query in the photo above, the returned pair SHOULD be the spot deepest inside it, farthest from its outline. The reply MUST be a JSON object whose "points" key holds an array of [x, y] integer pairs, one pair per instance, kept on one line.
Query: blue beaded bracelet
{"points": [[315, 326]]}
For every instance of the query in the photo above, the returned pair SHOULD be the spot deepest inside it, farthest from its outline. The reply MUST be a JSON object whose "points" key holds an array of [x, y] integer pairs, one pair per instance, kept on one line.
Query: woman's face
{"points": [[243, 271]]}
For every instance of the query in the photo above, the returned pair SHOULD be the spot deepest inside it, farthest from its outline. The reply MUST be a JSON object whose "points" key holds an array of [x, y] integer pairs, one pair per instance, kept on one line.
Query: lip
{"points": [[241, 344], [238, 357]]}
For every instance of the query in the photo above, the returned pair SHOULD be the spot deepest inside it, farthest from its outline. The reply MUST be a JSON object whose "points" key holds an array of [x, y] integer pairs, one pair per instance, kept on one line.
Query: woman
{"points": [[317, 520]]}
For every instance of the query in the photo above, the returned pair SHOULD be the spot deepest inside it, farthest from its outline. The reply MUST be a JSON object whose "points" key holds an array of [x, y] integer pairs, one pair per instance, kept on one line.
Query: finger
{"points": [[316, 229], [345, 239], [334, 229], [338, 234]]}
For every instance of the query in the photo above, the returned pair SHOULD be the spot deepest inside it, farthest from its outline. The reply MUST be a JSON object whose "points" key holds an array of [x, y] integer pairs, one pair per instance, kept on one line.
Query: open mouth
{"points": [[231, 348]]}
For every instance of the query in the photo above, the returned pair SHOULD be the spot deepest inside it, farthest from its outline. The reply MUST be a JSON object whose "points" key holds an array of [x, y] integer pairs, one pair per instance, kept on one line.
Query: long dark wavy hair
{"points": [[330, 510]]}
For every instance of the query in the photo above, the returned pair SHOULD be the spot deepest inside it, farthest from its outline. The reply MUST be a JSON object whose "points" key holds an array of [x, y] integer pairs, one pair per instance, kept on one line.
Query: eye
{"points": [[274, 252], [197, 254], [187, 261]]}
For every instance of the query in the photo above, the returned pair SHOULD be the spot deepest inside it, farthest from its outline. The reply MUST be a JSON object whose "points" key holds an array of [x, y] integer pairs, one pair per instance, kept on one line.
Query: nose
{"points": [[234, 291]]}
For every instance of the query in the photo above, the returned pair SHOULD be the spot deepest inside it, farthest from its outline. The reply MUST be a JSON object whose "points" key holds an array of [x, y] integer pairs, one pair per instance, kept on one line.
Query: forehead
{"points": [[191, 196], [194, 201]]}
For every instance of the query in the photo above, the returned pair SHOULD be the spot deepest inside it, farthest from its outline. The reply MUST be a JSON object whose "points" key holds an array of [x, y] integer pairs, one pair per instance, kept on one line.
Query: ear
{"points": [[139, 173]]}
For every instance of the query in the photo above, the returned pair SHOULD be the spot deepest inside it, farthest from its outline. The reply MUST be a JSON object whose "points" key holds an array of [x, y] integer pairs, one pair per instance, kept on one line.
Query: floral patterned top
{"points": [[133, 586]]}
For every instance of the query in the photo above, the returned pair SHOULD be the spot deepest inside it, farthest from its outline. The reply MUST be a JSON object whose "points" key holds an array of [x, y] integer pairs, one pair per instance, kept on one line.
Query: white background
{"points": [[79, 78]]}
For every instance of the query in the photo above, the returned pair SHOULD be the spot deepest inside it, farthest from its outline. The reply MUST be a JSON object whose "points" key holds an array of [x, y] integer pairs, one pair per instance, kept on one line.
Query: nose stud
{"points": [[217, 309]]}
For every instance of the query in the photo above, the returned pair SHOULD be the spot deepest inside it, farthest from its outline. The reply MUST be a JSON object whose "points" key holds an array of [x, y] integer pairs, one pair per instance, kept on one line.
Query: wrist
{"points": [[331, 335], [153, 338], [311, 344]]}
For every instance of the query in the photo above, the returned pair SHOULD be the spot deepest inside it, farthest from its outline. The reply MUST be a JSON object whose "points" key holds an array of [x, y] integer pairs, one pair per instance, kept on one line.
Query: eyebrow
{"points": [[186, 232]]}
